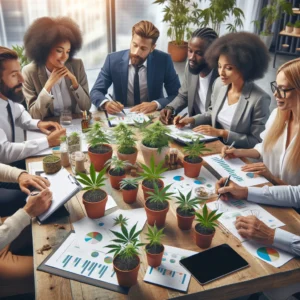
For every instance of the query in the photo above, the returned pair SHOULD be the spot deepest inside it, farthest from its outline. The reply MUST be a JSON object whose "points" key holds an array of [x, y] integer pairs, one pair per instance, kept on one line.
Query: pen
{"points": [[116, 102], [225, 184], [34, 193], [232, 144], [181, 117]]}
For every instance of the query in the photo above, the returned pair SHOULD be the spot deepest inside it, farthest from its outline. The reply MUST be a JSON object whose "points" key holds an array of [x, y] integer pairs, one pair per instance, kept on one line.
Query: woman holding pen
{"points": [[239, 108]]}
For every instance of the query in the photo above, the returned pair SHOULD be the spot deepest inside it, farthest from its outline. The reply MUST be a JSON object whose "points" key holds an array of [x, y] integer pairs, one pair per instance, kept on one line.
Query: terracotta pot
{"points": [[184, 223], [146, 189], [296, 30], [148, 152], [130, 157], [203, 240], [154, 260], [115, 180], [99, 159], [289, 29], [127, 278], [95, 210], [191, 170], [157, 217], [129, 196], [178, 52]]}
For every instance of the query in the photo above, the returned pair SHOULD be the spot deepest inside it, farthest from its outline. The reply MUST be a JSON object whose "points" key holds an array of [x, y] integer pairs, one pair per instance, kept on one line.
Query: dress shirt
{"points": [[225, 116], [9, 151], [288, 196]]}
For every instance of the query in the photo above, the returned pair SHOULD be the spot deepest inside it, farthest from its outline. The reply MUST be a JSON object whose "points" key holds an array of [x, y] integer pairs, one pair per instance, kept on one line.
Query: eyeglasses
{"points": [[281, 92]]}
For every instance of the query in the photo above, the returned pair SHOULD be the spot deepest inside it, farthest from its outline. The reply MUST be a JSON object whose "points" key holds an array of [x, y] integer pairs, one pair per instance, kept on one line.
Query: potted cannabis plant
{"points": [[154, 249], [155, 142], [289, 27], [205, 228], [94, 199], [151, 177], [99, 151], [129, 187], [186, 210], [117, 171], [126, 260], [126, 143], [192, 161], [157, 205]]}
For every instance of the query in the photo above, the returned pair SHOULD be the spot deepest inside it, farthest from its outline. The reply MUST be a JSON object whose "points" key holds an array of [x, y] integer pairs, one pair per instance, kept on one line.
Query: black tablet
{"points": [[214, 263]]}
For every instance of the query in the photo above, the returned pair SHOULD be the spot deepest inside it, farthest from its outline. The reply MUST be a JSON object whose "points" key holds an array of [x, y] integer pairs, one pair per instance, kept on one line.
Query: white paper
{"points": [[170, 273], [187, 135], [129, 118], [226, 167]]}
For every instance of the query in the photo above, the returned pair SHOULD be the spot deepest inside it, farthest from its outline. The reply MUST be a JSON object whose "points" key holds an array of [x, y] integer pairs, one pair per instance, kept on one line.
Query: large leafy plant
{"points": [[208, 220], [160, 196], [154, 236], [21, 55], [186, 202], [96, 137], [125, 139], [195, 149]]}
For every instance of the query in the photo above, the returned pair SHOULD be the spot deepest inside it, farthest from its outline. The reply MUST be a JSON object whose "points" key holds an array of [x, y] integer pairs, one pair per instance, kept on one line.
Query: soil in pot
{"points": [[95, 202], [51, 164], [154, 255], [203, 236], [129, 194], [148, 186], [115, 177], [156, 213], [192, 167], [94, 196], [100, 149], [99, 155], [185, 218]]}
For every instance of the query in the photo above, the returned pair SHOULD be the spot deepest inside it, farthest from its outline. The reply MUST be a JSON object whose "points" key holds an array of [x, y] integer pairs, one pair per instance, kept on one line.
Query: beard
{"points": [[137, 60], [198, 68], [11, 93]]}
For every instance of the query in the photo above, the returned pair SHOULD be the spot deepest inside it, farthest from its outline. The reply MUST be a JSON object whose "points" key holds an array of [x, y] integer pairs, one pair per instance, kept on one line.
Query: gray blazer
{"points": [[40, 103], [187, 92], [250, 117]]}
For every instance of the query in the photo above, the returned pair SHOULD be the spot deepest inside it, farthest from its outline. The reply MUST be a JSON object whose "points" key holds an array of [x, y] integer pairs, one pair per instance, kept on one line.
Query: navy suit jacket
{"points": [[160, 73]]}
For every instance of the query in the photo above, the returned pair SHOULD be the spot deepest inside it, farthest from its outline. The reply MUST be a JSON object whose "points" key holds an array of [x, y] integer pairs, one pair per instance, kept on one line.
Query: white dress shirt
{"points": [[225, 115], [9, 151], [276, 160]]}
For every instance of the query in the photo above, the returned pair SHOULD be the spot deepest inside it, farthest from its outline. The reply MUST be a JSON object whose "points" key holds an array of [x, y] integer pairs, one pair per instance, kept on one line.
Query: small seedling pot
{"points": [[95, 203], [203, 241], [99, 159], [129, 157], [116, 179], [129, 196], [147, 189], [154, 259], [157, 217], [184, 222], [191, 170]]}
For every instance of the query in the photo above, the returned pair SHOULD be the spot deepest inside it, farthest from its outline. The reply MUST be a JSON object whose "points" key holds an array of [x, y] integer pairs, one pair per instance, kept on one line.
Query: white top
{"points": [[11, 152], [225, 115], [277, 159], [62, 98]]}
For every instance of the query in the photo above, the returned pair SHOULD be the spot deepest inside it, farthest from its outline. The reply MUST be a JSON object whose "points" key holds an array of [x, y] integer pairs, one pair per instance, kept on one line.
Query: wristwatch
{"points": [[173, 113]]}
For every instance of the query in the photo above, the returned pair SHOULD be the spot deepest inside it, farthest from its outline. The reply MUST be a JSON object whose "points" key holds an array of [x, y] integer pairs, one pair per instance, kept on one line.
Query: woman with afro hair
{"points": [[239, 108], [54, 80]]}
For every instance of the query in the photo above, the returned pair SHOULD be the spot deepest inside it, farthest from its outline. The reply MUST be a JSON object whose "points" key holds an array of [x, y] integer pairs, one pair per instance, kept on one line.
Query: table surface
{"points": [[259, 276]]}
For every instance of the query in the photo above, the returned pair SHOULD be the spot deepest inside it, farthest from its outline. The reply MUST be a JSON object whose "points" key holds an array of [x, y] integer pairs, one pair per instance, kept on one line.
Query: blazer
{"points": [[249, 119], [187, 93], [40, 103], [160, 73]]}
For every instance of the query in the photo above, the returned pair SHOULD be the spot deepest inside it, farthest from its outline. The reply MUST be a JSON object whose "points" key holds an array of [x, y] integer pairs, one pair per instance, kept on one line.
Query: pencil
{"points": [[111, 97], [181, 117]]}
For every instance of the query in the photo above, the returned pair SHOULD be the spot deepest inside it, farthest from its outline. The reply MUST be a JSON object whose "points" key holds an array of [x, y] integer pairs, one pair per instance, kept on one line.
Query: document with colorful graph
{"points": [[170, 273], [226, 167], [129, 118]]}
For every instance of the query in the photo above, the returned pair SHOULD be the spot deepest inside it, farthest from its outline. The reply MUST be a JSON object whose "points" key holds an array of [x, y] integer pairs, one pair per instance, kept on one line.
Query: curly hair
{"points": [[44, 33], [244, 50]]}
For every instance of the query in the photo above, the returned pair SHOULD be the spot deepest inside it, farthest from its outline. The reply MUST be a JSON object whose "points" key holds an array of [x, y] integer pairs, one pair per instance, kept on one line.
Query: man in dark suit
{"points": [[195, 92], [138, 75]]}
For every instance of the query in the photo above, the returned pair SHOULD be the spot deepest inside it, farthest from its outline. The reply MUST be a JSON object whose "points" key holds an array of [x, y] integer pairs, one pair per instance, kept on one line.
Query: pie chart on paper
{"points": [[93, 237], [268, 254]]}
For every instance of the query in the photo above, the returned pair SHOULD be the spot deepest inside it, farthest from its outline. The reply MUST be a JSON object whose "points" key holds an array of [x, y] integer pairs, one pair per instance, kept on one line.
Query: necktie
{"points": [[136, 86], [11, 120]]}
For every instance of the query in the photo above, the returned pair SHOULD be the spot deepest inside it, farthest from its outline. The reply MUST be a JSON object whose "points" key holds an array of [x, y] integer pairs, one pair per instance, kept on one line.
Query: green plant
{"points": [[179, 14], [129, 183], [160, 196], [217, 13], [297, 24], [195, 149], [96, 137], [21, 54], [117, 164], [120, 220], [142, 125], [290, 24], [51, 159], [73, 139], [271, 13], [155, 136], [93, 181], [186, 202], [154, 236], [125, 139], [207, 220]]}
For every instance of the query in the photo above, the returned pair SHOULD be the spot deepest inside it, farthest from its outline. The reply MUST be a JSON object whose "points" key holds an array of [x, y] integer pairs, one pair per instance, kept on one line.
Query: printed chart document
{"points": [[170, 273], [226, 167], [128, 119], [187, 135]]}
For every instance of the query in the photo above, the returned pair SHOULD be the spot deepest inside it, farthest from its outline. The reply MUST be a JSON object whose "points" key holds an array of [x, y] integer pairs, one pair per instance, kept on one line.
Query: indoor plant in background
{"points": [[94, 199], [186, 210], [151, 177], [157, 205], [205, 228], [289, 27], [126, 260], [155, 142], [129, 187], [192, 161], [297, 27], [23, 59], [154, 249], [99, 151]]}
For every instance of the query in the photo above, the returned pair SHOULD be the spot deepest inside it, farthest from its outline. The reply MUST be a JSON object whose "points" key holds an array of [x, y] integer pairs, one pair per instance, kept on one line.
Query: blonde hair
{"points": [[291, 70], [146, 29]]}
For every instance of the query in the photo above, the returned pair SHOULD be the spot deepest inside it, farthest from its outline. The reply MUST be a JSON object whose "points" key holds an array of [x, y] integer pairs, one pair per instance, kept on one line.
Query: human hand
{"points": [[231, 153], [48, 127], [38, 204], [258, 168], [113, 107], [54, 137], [26, 180], [165, 116], [208, 130], [251, 227], [72, 78], [232, 190], [55, 75], [180, 123], [145, 107]]}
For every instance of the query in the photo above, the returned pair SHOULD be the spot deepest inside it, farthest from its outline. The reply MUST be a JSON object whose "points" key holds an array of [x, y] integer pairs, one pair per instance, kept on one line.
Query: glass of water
{"points": [[66, 116]]}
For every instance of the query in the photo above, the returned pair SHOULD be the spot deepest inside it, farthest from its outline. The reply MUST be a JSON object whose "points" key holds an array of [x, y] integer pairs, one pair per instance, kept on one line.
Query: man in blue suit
{"points": [[138, 75]]}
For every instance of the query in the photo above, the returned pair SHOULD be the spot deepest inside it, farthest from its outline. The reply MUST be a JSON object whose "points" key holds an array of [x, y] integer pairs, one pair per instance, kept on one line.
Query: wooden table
{"points": [[258, 277]]}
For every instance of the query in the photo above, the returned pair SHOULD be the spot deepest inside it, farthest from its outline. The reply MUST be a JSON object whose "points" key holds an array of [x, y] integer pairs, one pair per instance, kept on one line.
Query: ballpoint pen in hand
{"points": [[181, 117], [225, 184], [116, 102], [232, 144]]}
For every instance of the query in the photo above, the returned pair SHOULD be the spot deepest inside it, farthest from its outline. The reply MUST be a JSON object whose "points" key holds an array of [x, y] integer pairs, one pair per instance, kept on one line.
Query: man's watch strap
{"points": [[172, 109]]}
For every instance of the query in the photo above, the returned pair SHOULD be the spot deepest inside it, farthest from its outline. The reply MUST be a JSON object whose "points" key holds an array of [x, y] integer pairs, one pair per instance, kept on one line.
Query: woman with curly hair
{"points": [[239, 108], [54, 80]]}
